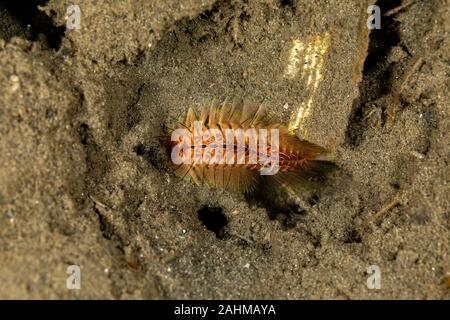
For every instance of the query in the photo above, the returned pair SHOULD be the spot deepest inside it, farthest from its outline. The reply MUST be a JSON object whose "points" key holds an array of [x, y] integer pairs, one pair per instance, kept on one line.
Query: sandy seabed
{"points": [[84, 179]]}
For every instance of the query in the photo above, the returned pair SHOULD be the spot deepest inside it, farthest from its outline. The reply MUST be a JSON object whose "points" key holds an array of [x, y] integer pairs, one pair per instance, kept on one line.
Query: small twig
{"points": [[377, 215], [98, 202], [395, 96], [367, 116], [415, 66], [240, 237], [397, 9]]}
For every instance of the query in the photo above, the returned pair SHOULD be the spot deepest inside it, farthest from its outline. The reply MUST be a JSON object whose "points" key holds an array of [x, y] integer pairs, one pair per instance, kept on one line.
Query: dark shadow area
{"points": [[275, 197], [25, 20], [376, 72]]}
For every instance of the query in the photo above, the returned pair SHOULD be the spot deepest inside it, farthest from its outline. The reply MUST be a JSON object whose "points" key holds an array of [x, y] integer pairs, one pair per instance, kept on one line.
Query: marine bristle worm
{"points": [[230, 146]]}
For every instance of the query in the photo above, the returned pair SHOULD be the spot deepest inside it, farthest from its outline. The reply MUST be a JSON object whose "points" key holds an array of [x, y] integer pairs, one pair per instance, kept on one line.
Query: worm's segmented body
{"points": [[238, 147]]}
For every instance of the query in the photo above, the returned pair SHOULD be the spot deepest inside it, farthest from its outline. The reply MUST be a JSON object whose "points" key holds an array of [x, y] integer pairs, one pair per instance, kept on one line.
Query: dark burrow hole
{"points": [[83, 132], [27, 21], [213, 219], [376, 80]]}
